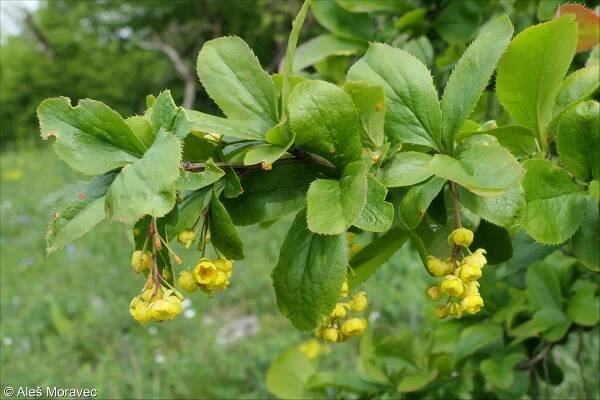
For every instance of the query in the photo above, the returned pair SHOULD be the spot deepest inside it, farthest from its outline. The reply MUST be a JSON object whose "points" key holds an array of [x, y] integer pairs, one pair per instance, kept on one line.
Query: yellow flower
{"points": [[166, 308], [147, 294], [354, 326], [332, 335], [441, 312], [205, 272], [472, 288], [452, 286], [469, 273], [472, 304], [311, 348], [437, 267], [186, 281], [461, 237], [141, 261], [344, 289], [339, 311], [455, 310], [358, 302], [186, 238], [139, 310], [220, 282], [434, 293], [477, 259], [224, 265]]}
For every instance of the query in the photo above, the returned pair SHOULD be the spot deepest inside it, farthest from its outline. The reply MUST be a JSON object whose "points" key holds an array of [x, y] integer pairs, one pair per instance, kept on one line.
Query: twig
{"points": [[536, 359], [457, 222], [300, 157]]}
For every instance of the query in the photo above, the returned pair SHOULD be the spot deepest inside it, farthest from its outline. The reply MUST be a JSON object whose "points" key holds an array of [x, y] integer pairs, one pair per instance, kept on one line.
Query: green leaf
{"points": [[370, 103], [78, 212], [91, 137], [232, 76], [576, 87], [415, 203], [578, 140], [594, 57], [233, 187], [378, 214], [483, 167], [543, 286], [148, 185], [471, 76], [267, 153], [458, 21], [332, 206], [498, 371], [163, 112], [347, 25], [541, 321], [502, 210], [142, 129], [288, 374], [495, 240], [413, 111], [197, 148], [585, 241], [269, 195], [519, 140], [555, 204], [223, 233], [323, 46], [584, 304], [357, 6], [368, 260], [343, 380], [421, 48], [198, 180], [475, 338], [530, 73], [416, 382], [206, 123], [325, 121], [288, 64], [406, 169], [309, 274]]}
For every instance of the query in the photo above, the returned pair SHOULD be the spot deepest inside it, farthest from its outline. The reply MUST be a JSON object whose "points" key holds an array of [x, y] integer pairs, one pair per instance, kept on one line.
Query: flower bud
{"points": [[472, 304], [441, 311], [472, 288], [354, 326], [205, 272], [147, 294], [224, 265], [186, 281], [434, 293], [455, 310], [332, 335], [477, 259], [186, 238], [461, 237], [358, 302], [141, 260], [437, 267], [339, 311], [452, 286], [469, 273], [344, 289]]}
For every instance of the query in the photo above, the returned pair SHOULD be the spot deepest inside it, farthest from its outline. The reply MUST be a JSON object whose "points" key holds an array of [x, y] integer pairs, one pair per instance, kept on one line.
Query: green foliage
{"points": [[349, 157], [309, 274]]}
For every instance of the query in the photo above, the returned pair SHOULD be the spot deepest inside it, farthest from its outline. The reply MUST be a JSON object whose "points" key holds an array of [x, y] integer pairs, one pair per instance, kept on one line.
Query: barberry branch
{"points": [[299, 157], [457, 222]]}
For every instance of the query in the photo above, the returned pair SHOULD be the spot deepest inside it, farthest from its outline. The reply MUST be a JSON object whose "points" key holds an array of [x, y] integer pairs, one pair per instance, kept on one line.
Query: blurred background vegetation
{"points": [[64, 318]]}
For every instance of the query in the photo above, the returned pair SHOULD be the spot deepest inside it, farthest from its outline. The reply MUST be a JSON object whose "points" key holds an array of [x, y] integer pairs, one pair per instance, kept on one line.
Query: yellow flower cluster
{"points": [[156, 305], [335, 329], [208, 275], [459, 281]]}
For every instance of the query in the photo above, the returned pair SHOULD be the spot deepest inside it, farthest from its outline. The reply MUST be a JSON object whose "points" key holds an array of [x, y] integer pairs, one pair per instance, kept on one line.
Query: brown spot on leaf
{"points": [[378, 106], [81, 196]]}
